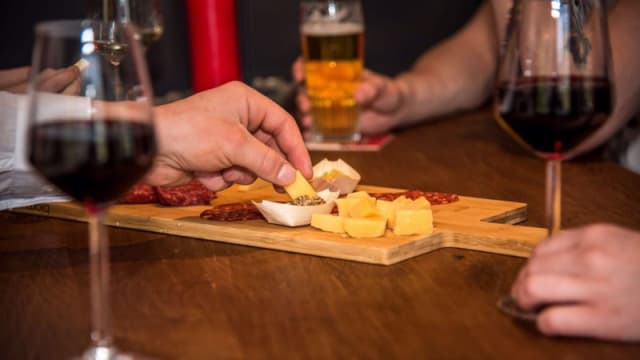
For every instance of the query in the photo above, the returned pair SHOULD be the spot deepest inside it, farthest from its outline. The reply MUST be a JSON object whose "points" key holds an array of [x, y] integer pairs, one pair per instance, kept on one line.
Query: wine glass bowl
{"points": [[146, 15], [91, 143]]}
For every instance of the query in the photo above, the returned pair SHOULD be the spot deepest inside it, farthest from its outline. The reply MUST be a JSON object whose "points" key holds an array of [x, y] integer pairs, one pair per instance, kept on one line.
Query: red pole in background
{"points": [[213, 41]]}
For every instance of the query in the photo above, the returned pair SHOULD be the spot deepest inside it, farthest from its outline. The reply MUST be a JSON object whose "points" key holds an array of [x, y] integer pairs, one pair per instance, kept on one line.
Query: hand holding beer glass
{"points": [[333, 50]]}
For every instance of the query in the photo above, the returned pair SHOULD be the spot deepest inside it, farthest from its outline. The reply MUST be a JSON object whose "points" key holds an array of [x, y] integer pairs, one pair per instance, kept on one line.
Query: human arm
{"points": [[222, 136], [587, 279], [623, 28], [19, 186]]}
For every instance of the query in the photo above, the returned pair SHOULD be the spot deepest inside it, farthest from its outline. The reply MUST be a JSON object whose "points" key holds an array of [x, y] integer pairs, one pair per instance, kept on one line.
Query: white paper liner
{"points": [[295, 215], [344, 184]]}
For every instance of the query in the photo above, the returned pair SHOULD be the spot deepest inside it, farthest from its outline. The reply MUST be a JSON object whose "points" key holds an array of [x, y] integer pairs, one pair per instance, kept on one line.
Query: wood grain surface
{"points": [[469, 223], [183, 298]]}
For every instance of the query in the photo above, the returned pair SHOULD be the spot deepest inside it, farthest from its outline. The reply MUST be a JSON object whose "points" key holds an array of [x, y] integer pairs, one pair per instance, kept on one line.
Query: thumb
{"points": [[263, 161]]}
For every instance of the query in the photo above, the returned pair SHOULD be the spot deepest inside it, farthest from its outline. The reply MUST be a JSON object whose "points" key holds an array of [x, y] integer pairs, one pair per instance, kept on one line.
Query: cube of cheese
{"points": [[345, 205], [421, 203], [300, 187], [362, 208], [362, 195], [385, 208], [413, 221], [365, 227], [327, 222]]}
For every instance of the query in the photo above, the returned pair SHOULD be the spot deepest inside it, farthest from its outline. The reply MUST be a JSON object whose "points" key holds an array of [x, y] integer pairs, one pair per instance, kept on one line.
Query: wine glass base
{"points": [[110, 353], [508, 305]]}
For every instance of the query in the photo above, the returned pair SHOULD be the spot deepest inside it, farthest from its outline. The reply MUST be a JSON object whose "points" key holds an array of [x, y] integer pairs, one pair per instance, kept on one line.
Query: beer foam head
{"points": [[331, 28]]}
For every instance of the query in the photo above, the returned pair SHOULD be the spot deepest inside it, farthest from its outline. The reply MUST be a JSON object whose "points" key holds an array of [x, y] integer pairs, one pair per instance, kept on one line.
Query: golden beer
{"points": [[333, 60]]}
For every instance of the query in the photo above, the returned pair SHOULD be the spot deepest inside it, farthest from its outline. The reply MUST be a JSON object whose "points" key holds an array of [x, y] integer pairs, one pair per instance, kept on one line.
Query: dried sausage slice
{"points": [[435, 198], [232, 212], [139, 194], [193, 193]]}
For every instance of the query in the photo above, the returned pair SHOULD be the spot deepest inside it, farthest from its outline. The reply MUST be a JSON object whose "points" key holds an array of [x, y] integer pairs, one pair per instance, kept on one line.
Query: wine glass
{"points": [[146, 15], [91, 144], [553, 87]]}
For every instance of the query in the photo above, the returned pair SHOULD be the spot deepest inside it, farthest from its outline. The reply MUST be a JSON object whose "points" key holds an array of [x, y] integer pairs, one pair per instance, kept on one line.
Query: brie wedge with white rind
{"points": [[335, 176]]}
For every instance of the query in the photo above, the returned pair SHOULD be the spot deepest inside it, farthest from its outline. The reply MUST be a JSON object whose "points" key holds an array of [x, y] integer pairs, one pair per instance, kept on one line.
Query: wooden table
{"points": [[177, 297]]}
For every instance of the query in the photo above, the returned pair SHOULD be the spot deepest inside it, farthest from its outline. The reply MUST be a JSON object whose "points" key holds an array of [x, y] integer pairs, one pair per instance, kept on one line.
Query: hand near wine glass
{"points": [[227, 135], [587, 281]]}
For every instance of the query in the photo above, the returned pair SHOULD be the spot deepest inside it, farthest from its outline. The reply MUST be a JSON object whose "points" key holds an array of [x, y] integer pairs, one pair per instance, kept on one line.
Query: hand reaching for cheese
{"points": [[227, 135]]}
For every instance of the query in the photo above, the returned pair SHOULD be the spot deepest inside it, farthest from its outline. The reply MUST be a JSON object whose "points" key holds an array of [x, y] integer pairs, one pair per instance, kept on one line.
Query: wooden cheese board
{"points": [[470, 223]]}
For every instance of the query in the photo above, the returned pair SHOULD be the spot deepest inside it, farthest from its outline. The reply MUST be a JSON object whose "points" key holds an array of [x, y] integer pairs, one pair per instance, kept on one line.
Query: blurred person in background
{"points": [[585, 280]]}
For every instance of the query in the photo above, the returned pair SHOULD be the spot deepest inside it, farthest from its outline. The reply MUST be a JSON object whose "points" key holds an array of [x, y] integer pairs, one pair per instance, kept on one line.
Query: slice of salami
{"points": [[139, 194], [193, 193], [435, 198], [232, 212]]}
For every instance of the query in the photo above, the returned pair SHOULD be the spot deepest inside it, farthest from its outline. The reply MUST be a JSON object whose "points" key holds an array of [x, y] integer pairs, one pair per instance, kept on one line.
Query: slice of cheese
{"points": [[365, 227], [413, 221], [328, 222], [300, 187], [258, 184]]}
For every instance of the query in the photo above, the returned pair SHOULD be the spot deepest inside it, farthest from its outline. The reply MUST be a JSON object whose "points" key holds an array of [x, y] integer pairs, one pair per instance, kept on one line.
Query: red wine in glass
{"points": [[553, 115], [92, 161]]}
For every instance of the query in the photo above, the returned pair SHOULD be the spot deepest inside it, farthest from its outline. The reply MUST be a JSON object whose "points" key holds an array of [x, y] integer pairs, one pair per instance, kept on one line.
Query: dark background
{"points": [[396, 33]]}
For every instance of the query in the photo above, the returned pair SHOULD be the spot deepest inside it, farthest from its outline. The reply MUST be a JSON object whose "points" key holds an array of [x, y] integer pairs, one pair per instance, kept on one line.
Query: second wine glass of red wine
{"points": [[553, 88]]}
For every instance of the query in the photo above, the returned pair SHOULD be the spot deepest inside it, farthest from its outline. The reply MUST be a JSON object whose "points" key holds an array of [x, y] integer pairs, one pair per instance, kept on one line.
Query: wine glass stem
{"points": [[554, 195], [99, 261]]}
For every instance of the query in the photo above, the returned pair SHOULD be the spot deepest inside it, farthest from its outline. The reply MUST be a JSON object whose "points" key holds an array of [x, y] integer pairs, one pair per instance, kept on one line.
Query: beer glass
{"points": [[333, 49]]}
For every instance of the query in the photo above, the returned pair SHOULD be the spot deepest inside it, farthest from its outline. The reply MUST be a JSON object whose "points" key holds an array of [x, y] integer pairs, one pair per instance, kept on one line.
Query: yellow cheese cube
{"points": [[413, 221], [359, 194], [402, 201], [344, 206], [365, 227], [385, 208], [362, 208], [421, 203], [327, 222], [258, 184], [362, 195], [300, 187]]}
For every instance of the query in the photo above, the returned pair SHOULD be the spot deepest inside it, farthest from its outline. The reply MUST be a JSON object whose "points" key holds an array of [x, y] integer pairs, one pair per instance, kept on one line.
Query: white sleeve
{"points": [[19, 185]]}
